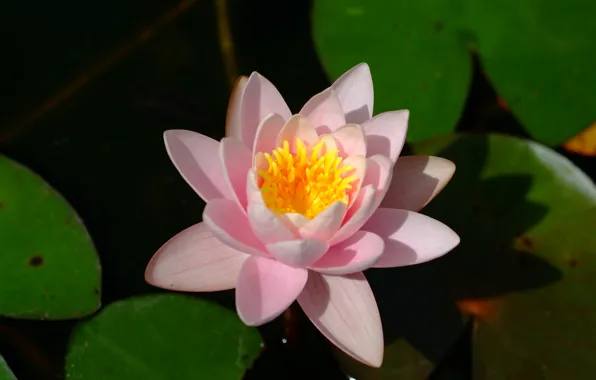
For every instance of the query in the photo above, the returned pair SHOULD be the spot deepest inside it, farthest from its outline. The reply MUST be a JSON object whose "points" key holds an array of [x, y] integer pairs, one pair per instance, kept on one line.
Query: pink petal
{"points": [[195, 261], [260, 98], [329, 144], [267, 225], [350, 140], [324, 111], [266, 288], [298, 253], [230, 225], [324, 225], [298, 127], [260, 163], [379, 174], [410, 237], [237, 161], [357, 215], [376, 182], [355, 92], [416, 181], [233, 120], [267, 133], [344, 310], [355, 254], [386, 133], [358, 163], [197, 159], [295, 221], [253, 193]]}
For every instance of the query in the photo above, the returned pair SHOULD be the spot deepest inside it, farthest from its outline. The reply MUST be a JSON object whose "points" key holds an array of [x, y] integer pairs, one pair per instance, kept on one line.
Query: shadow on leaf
{"points": [[423, 304]]}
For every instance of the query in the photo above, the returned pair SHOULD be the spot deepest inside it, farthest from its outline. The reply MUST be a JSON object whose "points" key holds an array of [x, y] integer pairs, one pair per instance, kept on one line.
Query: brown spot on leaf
{"points": [[1, 205], [502, 104], [573, 263], [483, 309], [96, 291], [524, 243], [438, 25], [36, 261]]}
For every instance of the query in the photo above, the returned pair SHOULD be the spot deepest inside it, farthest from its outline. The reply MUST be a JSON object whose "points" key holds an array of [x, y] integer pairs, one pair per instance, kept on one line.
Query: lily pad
{"points": [[506, 194], [5, 372], [48, 264], [168, 336], [420, 55], [548, 332], [418, 61], [525, 215]]}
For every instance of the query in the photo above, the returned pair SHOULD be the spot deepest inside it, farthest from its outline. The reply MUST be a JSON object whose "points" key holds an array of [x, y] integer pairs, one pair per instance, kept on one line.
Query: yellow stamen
{"points": [[304, 183]]}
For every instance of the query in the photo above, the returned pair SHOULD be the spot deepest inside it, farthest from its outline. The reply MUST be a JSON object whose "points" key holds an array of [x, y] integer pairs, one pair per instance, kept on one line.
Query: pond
{"points": [[90, 87]]}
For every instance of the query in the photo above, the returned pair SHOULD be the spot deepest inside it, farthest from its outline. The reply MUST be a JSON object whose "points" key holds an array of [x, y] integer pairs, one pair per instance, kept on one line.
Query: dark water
{"points": [[87, 90]]}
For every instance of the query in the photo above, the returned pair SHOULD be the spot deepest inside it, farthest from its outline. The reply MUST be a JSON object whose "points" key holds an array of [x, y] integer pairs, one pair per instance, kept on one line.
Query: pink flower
{"points": [[299, 205]]}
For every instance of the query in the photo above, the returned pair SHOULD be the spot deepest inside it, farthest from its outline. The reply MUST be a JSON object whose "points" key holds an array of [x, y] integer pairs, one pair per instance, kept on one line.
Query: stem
{"points": [[292, 318], [226, 42], [37, 361]]}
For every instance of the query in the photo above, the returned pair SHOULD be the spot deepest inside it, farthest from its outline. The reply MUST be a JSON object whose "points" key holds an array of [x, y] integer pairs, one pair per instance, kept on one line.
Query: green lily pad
{"points": [[48, 265], [505, 194], [543, 67], [418, 61], [523, 213], [167, 336], [548, 332], [539, 58], [5, 372]]}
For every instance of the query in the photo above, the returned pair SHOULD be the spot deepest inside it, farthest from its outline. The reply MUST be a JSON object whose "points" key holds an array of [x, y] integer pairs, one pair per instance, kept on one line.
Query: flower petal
{"points": [[233, 120], [298, 253], [260, 98], [267, 133], [329, 144], [386, 133], [410, 237], [268, 226], [324, 111], [236, 159], [326, 224], [195, 261], [416, 181], [358, 163], [350, 140], [193, 155], [294, 221], [298, 127], [230, 225], [266, 288], [355, 254], [344, 310], [379, 174], [357, 215], [253, 193], [355, 92]]}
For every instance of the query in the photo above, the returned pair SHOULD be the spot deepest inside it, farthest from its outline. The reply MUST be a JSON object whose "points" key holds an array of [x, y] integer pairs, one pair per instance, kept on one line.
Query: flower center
{"points": [[306, 182]]}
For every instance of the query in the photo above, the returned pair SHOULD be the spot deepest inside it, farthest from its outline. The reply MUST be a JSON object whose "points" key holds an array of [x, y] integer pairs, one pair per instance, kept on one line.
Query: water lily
{"points": [[297, 206]]}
